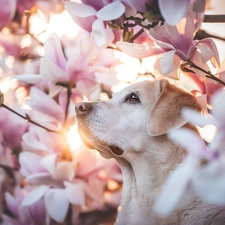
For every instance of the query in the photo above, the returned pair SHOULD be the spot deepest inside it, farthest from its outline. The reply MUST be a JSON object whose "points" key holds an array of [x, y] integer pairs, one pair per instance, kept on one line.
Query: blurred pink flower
{"points": [[93, 17], [175, 43], [7, 12], [167, 8], [34, 214]]}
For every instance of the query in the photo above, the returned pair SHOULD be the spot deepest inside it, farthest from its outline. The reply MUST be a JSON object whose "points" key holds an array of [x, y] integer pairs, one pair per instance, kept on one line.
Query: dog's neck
{"points": [[143, 177]]}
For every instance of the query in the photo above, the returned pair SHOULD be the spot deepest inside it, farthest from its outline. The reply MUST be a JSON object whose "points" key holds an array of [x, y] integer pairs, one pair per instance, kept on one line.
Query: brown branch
{"points": [[214, 18], [208, 73]]}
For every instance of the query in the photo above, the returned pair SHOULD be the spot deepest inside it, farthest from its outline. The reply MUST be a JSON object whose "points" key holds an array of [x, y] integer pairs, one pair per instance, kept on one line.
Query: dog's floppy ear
{"points": [[165, 114]]}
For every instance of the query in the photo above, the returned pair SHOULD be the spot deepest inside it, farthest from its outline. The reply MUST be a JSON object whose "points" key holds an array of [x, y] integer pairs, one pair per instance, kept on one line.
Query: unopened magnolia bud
{"points": [[1, 98]]}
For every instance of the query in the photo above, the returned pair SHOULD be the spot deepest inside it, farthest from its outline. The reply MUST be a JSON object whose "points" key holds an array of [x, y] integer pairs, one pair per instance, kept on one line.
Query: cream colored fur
{"points": [[135, 134]]}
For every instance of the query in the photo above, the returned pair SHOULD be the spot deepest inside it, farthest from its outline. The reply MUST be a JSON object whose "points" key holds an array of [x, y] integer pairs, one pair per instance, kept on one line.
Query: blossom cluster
{"points": [[44, 74]]}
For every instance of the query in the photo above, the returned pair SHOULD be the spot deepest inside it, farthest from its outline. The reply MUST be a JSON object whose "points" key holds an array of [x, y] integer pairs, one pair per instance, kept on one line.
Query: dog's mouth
{"points": [[113, 148]]}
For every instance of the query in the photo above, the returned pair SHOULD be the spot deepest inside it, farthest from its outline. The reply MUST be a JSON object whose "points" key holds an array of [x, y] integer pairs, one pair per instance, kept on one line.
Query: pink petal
{"points": [[138, 50], [54, 52], [30, 163], [139, 5], [167, 10], [168, 62], [29, 78], [49, 162], [39, 178], [218, 103], [45, 104], [35, 195], [65, 170], [12, 204], [51, 72], [80, 10], [111, 11], [98, 33], [57, 204], [7, 11], [75, 193]]}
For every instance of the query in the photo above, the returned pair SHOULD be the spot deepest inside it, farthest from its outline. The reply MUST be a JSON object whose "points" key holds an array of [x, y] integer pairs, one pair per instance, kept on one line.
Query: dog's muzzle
{"points": [[82, 108]]}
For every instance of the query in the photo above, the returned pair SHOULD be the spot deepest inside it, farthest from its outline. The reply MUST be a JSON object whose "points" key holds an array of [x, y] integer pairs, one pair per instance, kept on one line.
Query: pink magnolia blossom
{"points": [[7, 11], [93, 17], [34, 214], [167, 8], [174, 44]]}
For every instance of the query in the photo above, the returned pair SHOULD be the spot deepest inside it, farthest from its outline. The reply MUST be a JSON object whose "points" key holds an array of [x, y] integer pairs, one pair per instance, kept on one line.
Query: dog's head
{"points": [[128, 121]]}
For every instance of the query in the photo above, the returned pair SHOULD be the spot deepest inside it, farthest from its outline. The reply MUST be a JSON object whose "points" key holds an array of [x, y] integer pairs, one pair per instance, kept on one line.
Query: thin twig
{"points": [[208, 73], [214, 18], [28, 119]]}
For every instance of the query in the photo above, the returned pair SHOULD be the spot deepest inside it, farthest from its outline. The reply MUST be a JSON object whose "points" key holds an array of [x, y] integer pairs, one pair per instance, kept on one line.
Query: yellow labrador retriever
{"points": [[132, 128]]}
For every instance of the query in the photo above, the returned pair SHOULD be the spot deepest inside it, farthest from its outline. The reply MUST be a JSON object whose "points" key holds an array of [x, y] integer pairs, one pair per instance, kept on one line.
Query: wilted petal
{"points": [[199, 5], [35, 195], [57, 204], [167, 10], [75, 193], [138, 50], [111, 11]]}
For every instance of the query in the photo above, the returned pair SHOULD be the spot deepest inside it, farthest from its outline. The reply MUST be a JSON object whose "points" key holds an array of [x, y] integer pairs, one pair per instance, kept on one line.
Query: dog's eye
{"points": [[132, 98]]}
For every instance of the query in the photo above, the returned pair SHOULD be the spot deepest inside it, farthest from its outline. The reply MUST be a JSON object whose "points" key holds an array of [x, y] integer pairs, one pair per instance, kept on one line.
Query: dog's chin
{"points": [[105, 149]]}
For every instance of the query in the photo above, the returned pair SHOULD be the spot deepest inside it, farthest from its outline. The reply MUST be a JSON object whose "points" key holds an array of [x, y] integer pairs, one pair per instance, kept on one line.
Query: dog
{"points": [[132, 127]]}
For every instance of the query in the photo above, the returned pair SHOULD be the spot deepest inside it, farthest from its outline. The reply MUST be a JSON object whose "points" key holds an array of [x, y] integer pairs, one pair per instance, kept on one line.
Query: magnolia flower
{"points": [[33, 214], [167, 8], [93, 17], [174, 44], [7, 12]]}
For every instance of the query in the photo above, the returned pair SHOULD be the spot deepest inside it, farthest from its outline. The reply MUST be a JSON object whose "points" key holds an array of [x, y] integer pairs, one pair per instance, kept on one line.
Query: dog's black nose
{"points": [[82, 108]]}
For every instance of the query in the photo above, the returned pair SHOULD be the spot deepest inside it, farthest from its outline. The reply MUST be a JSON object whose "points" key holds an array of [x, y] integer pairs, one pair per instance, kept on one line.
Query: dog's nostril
{"points": [[82, 107]]}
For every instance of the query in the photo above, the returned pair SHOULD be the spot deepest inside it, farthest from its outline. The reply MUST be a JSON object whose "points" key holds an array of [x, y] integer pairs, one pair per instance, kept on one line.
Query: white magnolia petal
{"points": [[167, 10], [98, 33], [111, 11], [138, 50], [80, 10], [29, 78], [196, 118], [75, 193], [49, 162], [169, 62], [57, 204], [35, 195]]}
